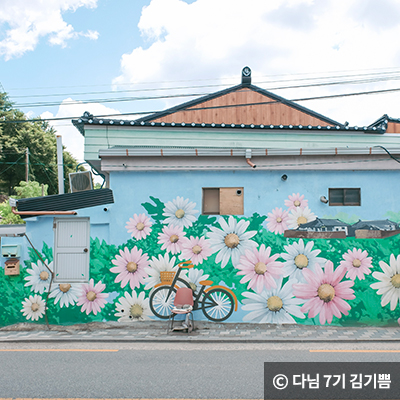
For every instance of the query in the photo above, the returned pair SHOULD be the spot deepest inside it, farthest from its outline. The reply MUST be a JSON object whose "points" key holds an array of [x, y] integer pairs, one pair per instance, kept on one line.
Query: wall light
{"points": [[284, 177], [324, 199]]}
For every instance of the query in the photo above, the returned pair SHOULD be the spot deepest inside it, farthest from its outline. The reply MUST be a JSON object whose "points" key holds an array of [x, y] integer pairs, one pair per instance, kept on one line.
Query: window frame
{"points": [[229, 191], [345, 203]]}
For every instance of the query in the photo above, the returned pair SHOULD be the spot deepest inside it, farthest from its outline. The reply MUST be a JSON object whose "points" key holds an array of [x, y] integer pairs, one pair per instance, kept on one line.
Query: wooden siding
{"points": [[393, 127], [270, 113]]}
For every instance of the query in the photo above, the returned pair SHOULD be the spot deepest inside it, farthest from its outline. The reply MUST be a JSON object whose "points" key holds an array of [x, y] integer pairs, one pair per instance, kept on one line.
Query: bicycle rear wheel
{"points": [[218, 305], [160, 305]]}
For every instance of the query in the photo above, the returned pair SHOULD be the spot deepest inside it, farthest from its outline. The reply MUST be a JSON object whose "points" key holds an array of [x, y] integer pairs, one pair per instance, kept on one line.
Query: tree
{"points": [[17, 133], [25, 190]]}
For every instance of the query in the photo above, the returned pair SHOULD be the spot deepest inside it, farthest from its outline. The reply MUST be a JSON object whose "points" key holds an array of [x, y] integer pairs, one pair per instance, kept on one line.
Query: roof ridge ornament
{"points": [[246, 76]]}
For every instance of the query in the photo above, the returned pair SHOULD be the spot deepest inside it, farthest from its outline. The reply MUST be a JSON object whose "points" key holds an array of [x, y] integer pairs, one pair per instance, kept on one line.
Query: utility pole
{"points": [[60, 165], [27, 164]]}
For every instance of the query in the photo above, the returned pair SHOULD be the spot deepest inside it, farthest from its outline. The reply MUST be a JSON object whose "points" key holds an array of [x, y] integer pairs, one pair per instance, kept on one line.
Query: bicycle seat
{"points": [[206, 283]]}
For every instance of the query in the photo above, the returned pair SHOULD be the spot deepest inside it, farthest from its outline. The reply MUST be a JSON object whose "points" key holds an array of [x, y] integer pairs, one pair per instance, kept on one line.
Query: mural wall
{"points": [[257, 274]]}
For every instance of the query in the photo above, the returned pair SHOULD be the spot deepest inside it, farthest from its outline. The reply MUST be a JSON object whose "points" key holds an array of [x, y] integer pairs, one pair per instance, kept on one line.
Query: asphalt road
{"points": [[160, 370]]}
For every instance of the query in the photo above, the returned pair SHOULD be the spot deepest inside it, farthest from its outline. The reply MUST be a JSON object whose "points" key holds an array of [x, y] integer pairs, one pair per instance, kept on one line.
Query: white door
{"points": [[71, 249]]}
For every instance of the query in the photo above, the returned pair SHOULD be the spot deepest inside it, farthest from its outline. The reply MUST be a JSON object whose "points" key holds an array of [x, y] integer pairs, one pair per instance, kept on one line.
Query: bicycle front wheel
{"points": [[218, 305], [160, 304]]}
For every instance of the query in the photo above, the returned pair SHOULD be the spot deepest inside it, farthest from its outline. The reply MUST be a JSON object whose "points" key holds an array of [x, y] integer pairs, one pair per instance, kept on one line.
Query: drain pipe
{"points": [[248, 157], [33, 213]]}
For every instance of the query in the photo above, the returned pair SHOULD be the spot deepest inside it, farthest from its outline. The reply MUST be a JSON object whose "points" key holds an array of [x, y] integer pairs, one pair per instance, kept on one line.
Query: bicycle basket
{"points": [[167, 276]]}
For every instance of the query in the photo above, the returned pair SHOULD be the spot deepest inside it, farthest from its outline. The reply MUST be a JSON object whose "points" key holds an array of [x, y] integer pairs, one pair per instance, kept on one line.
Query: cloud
{"points": [[25, 22], [71, 137], [217, 38]]}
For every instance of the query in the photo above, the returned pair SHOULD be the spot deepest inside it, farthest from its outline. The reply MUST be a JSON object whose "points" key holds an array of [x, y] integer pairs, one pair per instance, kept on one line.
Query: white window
{"points": [[71, 250]]}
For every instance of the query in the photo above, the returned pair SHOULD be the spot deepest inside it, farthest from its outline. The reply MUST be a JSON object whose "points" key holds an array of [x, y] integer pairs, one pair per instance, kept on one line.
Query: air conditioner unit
{"points": [[80, 181]]}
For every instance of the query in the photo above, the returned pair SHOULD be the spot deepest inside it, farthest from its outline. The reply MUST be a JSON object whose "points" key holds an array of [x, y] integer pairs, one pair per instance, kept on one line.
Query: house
{"points": [[217, 181], [322, 228]]}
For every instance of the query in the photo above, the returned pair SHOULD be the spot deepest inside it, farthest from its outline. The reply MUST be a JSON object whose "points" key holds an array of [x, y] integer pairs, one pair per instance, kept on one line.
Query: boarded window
{"points": [[344, 197], [223, 201], [71, 250]]}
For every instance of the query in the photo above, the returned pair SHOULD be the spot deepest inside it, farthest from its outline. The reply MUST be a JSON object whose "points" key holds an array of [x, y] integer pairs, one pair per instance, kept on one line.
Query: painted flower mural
{"points": [[33, 308], [277, 221], [389, 282], [357, 264], [130, 267], [274, 306], [171, 238], [245, 255], [92, 298], [133, 307], [260, 268], [157, 265], [195, 276], [180, 212], [298, 258], [325, 293], [300, 216], [139, 226], [296, 201], [231, 241], [39, 276], [196, 249], [65, 293]]}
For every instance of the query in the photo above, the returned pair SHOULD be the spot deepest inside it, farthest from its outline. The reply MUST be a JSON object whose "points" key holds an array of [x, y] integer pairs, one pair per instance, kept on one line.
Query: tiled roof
{"points": [[89, 119]]}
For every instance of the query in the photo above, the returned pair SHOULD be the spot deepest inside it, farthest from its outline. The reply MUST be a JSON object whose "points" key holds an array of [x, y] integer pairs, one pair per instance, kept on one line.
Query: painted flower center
{"points": [[193, 286], [35, 307], [196, 249], [260, 268], [326, 292], [274, 303], [131, 266], [136, 311], [91, 296], [174, 238], [356, 263], [232, 240], [301, 261], [395, 280], [44, 275], [179, 213], [301, 220], [297, 203], [279, 220], [140, 226], [64, 287]]}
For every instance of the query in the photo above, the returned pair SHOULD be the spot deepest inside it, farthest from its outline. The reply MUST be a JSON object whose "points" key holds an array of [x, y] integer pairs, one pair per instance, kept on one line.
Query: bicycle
{"points": [[217, 302]]}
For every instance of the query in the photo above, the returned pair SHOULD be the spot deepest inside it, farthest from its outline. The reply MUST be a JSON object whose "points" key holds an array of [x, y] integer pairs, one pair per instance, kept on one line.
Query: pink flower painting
{"points": [[260, 269], [325, 292], [196, 249], [139, 226], [130, 267], [277, 221], [357, 264], [296, 201], [91, 298], [171, 238]]}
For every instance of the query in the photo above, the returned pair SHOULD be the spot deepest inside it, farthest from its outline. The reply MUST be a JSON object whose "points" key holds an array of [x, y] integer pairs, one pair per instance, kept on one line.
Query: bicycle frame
{"points": [[196, 301]]}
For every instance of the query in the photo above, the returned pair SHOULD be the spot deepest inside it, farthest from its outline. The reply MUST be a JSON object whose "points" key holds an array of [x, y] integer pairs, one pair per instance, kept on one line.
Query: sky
{"points": [[59, 58]]}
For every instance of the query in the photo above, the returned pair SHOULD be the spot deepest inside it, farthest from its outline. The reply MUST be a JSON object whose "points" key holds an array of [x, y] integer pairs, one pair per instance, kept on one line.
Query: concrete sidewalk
{"points": [[156, 331]]}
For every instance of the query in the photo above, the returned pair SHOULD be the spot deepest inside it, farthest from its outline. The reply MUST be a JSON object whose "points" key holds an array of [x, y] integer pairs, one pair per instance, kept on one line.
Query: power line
{"points": [[376, 77], [272, 76], [383, 91]]}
